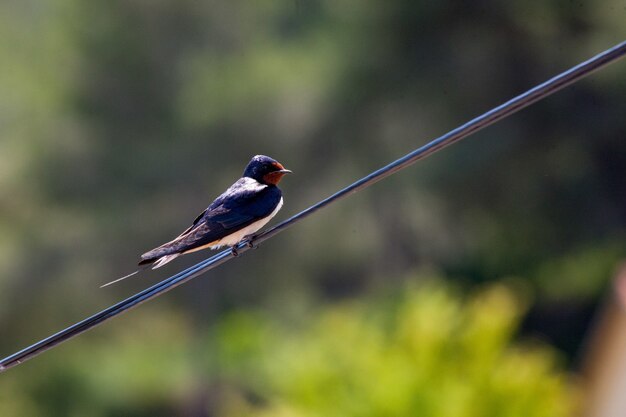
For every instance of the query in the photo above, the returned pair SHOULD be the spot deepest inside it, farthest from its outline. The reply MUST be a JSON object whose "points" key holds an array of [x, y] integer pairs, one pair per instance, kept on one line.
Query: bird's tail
{"points": [[145, 264], [123, 278], [159, 262]]}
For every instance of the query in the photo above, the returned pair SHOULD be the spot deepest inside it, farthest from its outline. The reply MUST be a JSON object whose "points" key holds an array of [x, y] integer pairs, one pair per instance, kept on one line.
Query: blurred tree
{"points": [[428, 352], [121, 120], [425, 350]]}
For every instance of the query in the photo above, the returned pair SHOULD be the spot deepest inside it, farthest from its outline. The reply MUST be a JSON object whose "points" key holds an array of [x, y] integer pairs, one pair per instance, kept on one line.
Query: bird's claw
{"points": [[250, 242]]}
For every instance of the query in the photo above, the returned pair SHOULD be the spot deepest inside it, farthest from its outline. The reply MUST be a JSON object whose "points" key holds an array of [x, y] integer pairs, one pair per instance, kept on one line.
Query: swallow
{"points": [[240, 211]]}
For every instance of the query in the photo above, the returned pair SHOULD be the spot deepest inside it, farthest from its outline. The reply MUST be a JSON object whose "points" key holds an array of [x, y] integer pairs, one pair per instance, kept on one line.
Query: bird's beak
{"points": [[284, 171]]}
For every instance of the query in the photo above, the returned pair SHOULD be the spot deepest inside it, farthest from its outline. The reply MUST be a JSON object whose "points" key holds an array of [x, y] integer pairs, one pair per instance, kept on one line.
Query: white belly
{"points": [[235, 238]]}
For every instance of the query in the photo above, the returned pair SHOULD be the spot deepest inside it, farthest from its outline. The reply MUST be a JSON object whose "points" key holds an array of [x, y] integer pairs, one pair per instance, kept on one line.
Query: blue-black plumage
{"points": [[244, 208]]}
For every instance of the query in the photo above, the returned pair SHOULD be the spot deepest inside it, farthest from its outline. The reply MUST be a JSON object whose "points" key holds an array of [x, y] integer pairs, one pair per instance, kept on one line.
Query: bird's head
{"points": [[265, 170]]}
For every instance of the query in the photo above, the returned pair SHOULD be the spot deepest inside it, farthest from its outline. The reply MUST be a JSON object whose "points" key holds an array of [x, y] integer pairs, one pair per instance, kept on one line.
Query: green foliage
{"points": [[430, 353], [121, 120], [580, 274], [426, 351]]}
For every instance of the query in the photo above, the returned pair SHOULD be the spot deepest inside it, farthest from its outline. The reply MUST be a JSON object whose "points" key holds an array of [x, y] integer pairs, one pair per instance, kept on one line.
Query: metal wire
{"points": [[523, 100]]}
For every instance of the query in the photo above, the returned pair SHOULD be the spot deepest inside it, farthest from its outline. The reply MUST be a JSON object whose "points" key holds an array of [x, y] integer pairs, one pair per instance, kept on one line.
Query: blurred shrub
{"points": [[431, 353], [581, 273], [428, 351]]}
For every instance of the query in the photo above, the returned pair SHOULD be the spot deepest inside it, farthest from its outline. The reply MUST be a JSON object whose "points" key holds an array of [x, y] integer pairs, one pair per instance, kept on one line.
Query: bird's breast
{"points": [[236, 237]]}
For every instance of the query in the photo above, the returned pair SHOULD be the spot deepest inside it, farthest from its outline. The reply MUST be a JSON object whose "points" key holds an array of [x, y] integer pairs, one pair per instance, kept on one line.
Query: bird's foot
{"points": [[250, 242], [234, 251]]}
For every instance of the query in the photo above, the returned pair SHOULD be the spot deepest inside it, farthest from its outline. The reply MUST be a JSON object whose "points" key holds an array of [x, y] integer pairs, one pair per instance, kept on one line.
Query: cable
{"points": [[512, 106]]}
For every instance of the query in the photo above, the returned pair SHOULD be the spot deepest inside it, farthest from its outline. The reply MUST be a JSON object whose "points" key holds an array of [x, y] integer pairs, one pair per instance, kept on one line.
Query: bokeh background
{"points": [[466, 285]]}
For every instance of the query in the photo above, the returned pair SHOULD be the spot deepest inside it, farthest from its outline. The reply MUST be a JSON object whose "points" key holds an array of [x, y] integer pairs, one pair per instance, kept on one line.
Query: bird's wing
{"points": [[241, 205]]}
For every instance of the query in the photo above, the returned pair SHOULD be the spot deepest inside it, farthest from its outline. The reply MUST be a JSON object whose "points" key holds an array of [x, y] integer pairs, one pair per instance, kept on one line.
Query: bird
{"points": [[234, 216]]}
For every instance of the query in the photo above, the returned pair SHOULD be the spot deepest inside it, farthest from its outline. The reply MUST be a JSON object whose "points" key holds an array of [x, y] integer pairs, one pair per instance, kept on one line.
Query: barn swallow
{"points": [[245, 207]]}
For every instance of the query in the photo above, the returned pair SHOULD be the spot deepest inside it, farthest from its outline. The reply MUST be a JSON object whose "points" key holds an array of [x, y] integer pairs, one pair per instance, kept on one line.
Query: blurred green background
{"points": [[462, 286]]}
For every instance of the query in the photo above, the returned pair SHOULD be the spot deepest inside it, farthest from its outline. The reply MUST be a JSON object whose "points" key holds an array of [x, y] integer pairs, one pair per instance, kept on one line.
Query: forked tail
{"points": [[145, 264], [120, 279]]}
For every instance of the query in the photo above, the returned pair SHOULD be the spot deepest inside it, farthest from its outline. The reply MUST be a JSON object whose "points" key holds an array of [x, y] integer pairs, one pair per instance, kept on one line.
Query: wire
{"points": [[498, 113]]}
